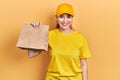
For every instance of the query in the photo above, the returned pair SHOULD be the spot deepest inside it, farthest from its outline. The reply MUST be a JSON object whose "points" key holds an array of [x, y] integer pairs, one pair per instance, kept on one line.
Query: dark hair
{"points": [[57, 26]]}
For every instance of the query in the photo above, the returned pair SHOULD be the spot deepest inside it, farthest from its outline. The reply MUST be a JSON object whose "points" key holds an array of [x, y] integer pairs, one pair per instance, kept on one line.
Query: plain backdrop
{"points": [[98, 20]]}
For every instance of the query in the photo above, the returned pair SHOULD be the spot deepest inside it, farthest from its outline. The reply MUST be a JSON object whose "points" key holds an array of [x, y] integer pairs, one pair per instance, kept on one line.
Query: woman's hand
{"points": [[33, 53], [35, 24]]}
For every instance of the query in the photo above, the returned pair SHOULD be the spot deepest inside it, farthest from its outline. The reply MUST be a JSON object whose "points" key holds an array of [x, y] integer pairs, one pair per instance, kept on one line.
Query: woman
{"points": [[68, 48]]}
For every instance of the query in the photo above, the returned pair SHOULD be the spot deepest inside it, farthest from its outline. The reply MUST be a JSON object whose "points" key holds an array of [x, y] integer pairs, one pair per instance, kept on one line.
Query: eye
{"points": [[69, 16], [65, 15], [61, 16]]}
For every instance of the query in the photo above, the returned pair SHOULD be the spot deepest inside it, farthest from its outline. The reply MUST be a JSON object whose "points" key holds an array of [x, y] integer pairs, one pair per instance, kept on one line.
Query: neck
{"points": [[67, 31]]}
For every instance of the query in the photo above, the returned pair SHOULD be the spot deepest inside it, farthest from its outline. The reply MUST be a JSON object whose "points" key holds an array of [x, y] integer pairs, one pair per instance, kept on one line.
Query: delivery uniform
{"points": [[66, 50]]}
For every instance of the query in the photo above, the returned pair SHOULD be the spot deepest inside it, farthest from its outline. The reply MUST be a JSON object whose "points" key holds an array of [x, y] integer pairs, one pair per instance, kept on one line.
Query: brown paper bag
{"points": [[33, 38]]}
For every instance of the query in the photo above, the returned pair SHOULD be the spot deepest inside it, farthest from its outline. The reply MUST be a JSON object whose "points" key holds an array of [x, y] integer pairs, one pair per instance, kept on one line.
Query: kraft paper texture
{"points": [[33, 38]]}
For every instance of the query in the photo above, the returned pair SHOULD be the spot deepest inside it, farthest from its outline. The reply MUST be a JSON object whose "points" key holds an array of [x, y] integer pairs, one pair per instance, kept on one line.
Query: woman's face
{"points": [[64, 21]]}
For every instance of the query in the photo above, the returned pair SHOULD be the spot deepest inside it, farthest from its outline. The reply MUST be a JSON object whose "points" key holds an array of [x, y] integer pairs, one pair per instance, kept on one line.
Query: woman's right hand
{"points": [[33, 53], [35, 24]]}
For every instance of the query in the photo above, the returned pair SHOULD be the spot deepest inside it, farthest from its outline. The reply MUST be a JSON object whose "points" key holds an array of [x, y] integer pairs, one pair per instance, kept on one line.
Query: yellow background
{"points": [[98, 20]]}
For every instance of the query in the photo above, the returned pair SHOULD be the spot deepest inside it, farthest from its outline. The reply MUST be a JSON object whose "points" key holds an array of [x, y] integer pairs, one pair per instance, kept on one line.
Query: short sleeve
{"points": [[51, 35], [84, 49]]}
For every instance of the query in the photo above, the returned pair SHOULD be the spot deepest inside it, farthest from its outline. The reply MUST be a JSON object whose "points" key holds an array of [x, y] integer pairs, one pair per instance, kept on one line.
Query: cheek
{"points": [[70, 21], [59, 20]]}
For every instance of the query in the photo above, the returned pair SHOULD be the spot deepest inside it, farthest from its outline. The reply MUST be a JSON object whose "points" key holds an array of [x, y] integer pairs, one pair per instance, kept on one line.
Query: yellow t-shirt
{"points": [[66, 50]]}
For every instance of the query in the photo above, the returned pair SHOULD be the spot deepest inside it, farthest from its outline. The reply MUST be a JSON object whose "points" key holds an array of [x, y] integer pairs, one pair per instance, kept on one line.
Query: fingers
{"points": [[35, 24]]}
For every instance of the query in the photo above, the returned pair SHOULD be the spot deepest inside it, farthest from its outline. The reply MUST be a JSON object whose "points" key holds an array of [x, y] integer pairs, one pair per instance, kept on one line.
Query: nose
{"points": [[65, 19]]}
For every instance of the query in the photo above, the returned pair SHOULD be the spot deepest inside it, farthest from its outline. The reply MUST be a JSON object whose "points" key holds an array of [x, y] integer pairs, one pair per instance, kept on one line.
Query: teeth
{"points": [[65, 24]]}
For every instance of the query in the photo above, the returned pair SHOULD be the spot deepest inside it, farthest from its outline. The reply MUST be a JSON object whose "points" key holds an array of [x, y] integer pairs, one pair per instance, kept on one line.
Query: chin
{"points": [[64, 28]]}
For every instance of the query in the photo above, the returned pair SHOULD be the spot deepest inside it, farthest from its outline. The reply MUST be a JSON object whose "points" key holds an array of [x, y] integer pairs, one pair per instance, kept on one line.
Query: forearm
{"points": [[85, 73], [32, 53], [84, 68]]}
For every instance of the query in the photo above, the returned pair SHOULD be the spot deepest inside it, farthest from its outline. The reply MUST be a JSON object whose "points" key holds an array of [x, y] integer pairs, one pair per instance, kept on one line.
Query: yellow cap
{"points": [[64, 8]]}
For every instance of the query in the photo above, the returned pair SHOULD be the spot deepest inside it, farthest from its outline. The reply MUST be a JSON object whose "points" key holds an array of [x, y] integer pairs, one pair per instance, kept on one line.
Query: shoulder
{"points": [[79, 34], [53, 31]]}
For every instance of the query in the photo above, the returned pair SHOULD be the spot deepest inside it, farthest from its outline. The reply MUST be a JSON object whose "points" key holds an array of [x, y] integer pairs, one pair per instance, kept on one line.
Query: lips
{"points": [[64, 24]]}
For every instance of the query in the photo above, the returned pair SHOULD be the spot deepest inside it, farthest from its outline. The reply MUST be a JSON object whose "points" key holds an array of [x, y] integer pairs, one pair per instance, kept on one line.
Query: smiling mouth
{"points": [[64, 24]]}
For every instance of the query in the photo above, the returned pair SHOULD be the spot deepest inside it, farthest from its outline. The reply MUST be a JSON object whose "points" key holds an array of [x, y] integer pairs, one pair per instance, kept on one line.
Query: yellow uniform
{"points": [[66, 50]]}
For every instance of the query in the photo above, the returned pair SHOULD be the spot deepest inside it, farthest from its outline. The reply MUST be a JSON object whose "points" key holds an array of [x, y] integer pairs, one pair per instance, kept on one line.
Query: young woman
{"points": [[68, 48]]}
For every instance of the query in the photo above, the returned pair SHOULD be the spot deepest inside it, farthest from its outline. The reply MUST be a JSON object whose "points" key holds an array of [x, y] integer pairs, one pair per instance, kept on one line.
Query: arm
{"points": [[33, 53], [84, 68]]}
